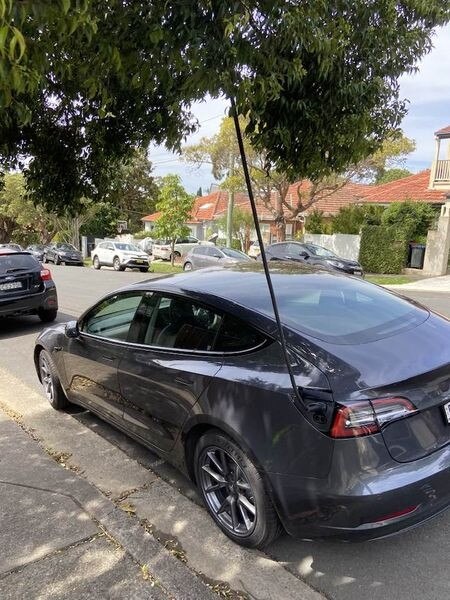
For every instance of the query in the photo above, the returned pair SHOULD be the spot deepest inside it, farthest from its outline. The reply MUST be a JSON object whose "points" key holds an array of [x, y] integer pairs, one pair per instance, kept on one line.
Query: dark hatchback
{"points": [[26, 287], [313, 255], [62, 253], [191, 366]]}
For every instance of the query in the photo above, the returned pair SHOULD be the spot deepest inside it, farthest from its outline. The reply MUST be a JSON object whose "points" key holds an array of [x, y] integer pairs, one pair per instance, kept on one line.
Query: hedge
{"points": [[384, 249]]}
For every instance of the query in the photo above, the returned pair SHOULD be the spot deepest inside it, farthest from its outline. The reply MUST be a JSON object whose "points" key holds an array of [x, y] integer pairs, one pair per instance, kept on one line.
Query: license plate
{"points": [[357, 272], [139, 262], [447, 411], [12, 285]]}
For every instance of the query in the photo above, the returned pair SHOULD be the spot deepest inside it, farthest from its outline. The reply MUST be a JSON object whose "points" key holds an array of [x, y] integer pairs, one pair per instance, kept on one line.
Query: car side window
{"points": [[236, 336], [182, 324], [279, 249], [112, 318], [192, 240], [109, 247]]}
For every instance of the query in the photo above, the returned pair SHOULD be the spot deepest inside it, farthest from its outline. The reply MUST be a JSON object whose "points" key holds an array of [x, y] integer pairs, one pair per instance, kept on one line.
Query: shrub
{"points": [[384, 249], [315, 222], [351, 218], [415, 216]]}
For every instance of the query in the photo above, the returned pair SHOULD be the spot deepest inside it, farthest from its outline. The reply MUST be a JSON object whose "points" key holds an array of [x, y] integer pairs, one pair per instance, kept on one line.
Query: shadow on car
{"points": [[12, 327]]}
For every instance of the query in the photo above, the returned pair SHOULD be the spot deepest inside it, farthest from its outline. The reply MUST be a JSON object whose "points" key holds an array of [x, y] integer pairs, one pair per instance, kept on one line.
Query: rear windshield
{"points": [[343, 310], [9, 263]]}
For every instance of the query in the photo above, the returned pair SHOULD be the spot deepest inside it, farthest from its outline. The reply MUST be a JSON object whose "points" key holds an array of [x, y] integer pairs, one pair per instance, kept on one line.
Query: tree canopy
{"points": [[82, 82]]}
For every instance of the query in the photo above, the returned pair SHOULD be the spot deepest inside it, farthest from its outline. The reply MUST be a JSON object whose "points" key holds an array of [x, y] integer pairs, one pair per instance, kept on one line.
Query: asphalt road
{"points": [[409, 566]]}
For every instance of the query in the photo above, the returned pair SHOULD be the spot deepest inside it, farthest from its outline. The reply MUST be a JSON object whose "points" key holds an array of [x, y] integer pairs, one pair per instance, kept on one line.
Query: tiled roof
{"points": [[330, 203], [414, 187], [444, 132], [152, 218]]}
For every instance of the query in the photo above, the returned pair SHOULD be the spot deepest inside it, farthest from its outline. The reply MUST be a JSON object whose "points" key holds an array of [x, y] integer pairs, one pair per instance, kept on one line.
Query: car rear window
{"points": [[9, 263], [342, 310]]}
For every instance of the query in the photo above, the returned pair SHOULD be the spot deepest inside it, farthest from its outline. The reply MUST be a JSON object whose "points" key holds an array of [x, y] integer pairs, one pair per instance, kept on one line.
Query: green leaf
{"points": [[19, 40], [65, 6]]}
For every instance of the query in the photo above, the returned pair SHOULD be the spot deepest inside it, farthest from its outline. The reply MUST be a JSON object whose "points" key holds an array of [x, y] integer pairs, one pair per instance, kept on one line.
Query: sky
{"points": [[427, 91]]}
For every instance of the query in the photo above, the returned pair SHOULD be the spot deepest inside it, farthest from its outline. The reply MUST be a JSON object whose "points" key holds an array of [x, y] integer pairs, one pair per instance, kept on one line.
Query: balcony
{"points": [[440, 175]]}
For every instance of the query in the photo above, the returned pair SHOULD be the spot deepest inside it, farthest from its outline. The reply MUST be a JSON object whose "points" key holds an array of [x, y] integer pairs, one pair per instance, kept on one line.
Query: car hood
{"points": [[352, 367]]}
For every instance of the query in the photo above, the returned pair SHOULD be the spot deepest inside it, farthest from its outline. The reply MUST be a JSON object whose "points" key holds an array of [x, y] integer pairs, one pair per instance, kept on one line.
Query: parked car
{"points": [[26, 288], [313, 255], [11, 246], [163, 249], [119, 255], [254, 250], [212, 256], [37, 250], [63, 253], [191, 366]]}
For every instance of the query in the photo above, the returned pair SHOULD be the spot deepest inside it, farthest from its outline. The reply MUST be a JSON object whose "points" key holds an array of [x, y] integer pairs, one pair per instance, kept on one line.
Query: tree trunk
{"points": [[172, 254], [280, 220]]}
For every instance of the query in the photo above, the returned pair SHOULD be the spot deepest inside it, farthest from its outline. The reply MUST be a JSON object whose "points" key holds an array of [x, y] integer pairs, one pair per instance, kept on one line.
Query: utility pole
{"points": [[230, 205]]}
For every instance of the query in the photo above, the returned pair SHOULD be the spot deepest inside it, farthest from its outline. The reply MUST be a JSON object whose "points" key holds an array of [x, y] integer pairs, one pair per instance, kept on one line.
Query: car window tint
{"points": [[182, 324], [9, 263], [235, 336], [279, 249], [192, 240], [112, 318], [201, 250]]}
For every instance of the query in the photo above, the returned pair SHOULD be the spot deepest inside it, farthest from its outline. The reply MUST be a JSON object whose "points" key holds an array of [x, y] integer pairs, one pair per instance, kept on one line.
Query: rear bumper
{"points": [[367, 507], [30, 304]]}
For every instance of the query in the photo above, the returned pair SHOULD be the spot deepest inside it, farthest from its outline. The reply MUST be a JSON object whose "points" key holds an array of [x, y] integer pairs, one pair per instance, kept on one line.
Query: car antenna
{"points": [[261, 246]]}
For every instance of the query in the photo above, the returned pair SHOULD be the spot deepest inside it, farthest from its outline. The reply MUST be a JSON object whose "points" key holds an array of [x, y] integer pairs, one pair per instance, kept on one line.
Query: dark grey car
{"points": [[312, 255], [213, 256], [63, 253], [191, 366]]}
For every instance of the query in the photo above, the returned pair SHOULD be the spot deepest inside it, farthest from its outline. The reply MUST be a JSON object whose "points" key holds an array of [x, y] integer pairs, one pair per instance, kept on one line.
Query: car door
{"points": [[165, 372], [92, 358]]}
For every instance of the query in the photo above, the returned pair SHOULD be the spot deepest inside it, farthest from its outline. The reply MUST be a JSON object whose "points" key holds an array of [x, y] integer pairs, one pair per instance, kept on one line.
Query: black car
{"points": [[37, 250], [11, 246], [26, 287], [312, 255], [191, 366], [62, 253]]}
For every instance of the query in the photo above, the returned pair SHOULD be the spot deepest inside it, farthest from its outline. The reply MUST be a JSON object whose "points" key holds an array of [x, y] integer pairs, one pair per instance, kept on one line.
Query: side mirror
{"points": [[72, 330], [216, 255], [303, 254]]}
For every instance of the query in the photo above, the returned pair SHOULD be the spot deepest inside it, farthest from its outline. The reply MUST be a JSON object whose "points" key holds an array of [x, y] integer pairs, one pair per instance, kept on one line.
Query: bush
{"points": [[315, 222], [141, 235], [384, 249], [415, 216], [351, 218]]}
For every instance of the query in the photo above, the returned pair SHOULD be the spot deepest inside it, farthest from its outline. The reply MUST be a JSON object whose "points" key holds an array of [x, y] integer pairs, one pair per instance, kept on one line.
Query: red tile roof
{"points": [[414, 187], [152, 218], [329, 202], [444, 132]]}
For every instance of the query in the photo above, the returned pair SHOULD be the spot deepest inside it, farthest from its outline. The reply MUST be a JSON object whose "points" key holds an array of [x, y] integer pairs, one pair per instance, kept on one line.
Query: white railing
{"points": [[442, 172]]}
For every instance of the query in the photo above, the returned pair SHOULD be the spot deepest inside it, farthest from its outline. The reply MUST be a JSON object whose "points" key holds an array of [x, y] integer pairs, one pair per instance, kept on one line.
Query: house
{"points": [[413, 187]]}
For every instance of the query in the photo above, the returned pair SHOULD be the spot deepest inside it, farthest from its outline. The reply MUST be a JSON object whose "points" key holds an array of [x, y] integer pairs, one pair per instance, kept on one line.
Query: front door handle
{"points": [[184, 381], [108, 358]]}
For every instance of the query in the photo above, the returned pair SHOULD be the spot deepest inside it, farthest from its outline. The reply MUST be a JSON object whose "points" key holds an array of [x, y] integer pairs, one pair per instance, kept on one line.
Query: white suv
{"points": [[162, 248], [119, 255]]}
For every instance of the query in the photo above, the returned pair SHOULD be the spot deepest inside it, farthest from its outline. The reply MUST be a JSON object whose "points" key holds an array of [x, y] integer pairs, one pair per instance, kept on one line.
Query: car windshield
{"points": [[231, 253], [37, 247], [128, 247], [67, 247], [319, 251], [16, 262], [339, 310]]}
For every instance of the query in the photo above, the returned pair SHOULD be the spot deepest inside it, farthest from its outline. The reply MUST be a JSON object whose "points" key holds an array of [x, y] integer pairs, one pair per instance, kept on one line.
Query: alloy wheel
{"points": [[227, 491], [46, 378]]}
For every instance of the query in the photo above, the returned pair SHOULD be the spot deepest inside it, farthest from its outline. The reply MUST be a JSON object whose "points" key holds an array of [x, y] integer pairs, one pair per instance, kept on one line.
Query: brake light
{"points": [[46, 275], [396, 514], [368, 417]]}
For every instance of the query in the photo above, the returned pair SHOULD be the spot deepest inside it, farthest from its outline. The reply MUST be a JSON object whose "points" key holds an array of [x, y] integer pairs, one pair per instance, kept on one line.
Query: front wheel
{"points": [[234, 492], [143, 269], [50, 382], [116, 264]]}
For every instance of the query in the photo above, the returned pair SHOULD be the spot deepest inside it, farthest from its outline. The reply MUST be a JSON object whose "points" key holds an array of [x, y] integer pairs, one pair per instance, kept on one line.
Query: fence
{"points": [[342, 244]]}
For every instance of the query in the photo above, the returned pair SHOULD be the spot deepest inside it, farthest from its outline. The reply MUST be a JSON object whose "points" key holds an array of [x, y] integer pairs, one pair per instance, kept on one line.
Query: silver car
{"points": [[212, 256]]}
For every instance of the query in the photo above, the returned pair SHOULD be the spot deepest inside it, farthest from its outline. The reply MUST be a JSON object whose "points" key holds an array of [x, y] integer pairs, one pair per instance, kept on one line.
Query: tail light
{"points": [[368, 417], [46, 275]]}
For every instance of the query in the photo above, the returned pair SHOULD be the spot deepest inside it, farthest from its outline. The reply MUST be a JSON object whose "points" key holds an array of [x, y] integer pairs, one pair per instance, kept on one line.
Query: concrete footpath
{"points": [[62, 538], [431, 284]]}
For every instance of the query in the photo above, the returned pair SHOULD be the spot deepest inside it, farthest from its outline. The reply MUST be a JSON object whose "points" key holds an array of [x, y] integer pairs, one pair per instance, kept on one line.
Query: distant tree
{"points": [[101, 222], [416, 217], [175, 205], [242, 225], [199, 193], [391, 175]]}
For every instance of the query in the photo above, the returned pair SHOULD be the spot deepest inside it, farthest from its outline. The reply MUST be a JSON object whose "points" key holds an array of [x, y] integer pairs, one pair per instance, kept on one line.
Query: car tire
{"points": [[176, 256], [56, 260], [187, 266], [116, 264], [143, 269], [47, 315], [96, 263], [50, 382], [241, 507]]}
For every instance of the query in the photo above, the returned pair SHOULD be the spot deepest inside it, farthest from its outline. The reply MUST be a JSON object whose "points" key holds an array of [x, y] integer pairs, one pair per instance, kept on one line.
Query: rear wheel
{"points": [[47, 315], [234, 492], [50, 382], [96, 263], [187, 266]]}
